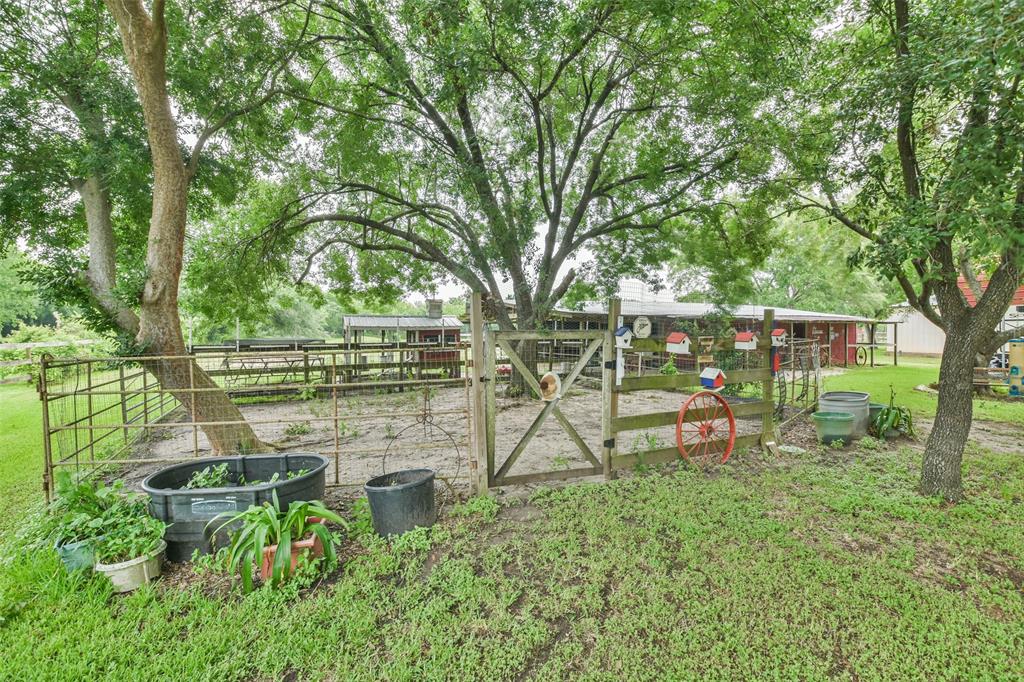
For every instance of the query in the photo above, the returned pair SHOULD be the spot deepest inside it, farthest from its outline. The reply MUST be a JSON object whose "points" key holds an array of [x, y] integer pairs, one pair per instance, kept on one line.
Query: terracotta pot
{"points": [[309, 545]]}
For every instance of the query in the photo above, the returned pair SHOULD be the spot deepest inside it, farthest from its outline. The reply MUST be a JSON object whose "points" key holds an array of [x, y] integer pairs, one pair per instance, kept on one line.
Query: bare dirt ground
{"points": [[371, 424]]}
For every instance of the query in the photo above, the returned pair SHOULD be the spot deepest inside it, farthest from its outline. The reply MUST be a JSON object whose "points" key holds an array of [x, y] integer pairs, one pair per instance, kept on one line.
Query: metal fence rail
{"points": [[105, 411]]}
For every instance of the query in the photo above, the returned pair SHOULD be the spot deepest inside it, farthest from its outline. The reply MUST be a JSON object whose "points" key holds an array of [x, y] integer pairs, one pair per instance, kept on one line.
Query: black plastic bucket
{"points": [[190, 510], [401, 501]]}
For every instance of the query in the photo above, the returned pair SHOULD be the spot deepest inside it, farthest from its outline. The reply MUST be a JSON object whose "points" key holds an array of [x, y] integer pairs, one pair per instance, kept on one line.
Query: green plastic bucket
{"points": [[873, 410], [834, 426]]}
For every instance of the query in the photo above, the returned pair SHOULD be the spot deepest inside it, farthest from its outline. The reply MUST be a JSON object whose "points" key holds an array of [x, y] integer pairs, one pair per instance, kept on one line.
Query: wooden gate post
{"points": [[768, 440], [478, 475], [609, 398]]}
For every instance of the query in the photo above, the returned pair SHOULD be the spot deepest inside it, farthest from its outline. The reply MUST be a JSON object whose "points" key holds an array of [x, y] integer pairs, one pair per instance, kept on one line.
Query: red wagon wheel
{"points": [[705, 422]]}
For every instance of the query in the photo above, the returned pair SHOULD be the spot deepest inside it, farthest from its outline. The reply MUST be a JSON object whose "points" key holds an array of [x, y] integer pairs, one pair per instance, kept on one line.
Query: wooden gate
{"points": [[493, 463], [499, 465]]}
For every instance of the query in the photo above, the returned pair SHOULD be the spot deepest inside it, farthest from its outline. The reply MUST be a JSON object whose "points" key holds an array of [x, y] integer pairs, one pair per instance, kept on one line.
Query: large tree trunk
{"points": [[968, 331], [159, 326], [518, 387], [201, 398], [944, 449]]}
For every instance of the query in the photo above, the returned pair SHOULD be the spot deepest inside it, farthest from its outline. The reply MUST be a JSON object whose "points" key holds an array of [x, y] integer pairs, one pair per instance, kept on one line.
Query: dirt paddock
{"points": [[369, 425]]}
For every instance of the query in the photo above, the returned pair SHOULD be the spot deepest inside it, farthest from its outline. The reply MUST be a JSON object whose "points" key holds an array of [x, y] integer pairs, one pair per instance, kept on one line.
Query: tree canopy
{"points": [[910, 125], [810, 267], [537, 144]]}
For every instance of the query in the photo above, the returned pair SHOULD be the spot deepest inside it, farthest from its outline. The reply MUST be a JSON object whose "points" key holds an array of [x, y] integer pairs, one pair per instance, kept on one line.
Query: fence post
{"points": [[124, 404], [489, 377], [92, 432], [768, 385], [47, 452], [334, 421], [192, 399], [609, 398], [478, 477], [145, 399]]}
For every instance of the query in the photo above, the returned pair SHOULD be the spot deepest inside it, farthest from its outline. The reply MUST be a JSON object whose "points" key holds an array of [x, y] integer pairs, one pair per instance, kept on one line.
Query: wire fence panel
{"points": [[350, 402]]}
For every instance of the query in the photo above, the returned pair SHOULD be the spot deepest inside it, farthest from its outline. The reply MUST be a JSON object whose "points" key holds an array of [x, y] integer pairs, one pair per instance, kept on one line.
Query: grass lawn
{"points": [[911, 372], [826, 565], [21, 451]]}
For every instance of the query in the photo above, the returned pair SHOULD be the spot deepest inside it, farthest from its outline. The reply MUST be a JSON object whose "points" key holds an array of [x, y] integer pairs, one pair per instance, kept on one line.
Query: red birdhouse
{"points": [[712, 378]]}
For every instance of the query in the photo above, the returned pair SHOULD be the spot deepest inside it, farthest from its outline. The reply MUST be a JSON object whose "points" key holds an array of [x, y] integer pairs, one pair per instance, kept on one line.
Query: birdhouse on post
{"points": [[712, 378], [677, 343], [779, 338], [746, 341], [623, 337]]}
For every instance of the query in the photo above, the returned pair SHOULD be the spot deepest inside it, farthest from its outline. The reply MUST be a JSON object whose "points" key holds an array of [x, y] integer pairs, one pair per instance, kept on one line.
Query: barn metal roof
{"points": [[400, 322], [699, 310]]}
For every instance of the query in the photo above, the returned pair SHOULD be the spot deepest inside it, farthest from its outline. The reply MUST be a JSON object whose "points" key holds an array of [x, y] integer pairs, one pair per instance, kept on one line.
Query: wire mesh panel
{"points": [[798, 381], [346, 401]]}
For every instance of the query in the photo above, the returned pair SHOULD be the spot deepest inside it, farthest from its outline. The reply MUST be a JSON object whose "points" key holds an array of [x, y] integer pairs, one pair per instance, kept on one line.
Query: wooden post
{"points": [[767, 386], [609, 398], [490, 380], [895, 346], [334, 399], [828, 343], [478, 452], [792, 362], [846, 345], [872, 328]]}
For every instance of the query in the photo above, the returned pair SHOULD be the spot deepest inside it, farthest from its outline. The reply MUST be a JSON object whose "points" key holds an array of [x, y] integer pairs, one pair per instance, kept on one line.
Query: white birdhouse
{"points": [[779, 337], [623, 337], [678, 343], [746, 341]]}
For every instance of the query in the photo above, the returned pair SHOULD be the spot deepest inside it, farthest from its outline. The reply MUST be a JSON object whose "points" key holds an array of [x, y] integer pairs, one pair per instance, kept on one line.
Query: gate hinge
{"points": [[610, 443], [609, 364]]}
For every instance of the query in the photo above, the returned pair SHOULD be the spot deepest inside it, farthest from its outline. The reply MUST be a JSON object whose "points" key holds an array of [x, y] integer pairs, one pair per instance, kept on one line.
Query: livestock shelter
{"points": [[843, 335], [847, 339], [433, 327]]}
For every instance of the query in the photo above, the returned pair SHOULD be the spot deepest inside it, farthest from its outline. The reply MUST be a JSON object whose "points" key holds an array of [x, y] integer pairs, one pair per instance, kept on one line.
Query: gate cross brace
{"points": [[550, 407]]}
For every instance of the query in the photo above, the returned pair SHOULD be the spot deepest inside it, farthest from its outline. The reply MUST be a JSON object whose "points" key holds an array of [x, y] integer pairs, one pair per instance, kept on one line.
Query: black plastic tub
{"points": [[190, 510], [401, 501]]}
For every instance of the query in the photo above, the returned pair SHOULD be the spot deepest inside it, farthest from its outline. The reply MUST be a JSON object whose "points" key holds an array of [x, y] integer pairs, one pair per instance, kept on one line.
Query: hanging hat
{"points": [[550, 386]]}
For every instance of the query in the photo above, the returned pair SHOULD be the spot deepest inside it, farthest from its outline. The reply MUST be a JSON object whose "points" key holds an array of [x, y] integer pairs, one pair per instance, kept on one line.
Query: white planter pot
{"points": [[134, 573]]}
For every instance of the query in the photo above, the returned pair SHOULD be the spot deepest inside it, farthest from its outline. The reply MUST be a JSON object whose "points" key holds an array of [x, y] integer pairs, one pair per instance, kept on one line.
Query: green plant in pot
{"points": [[273, 541], [893, 420], [77, 518], [132, 546]]}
